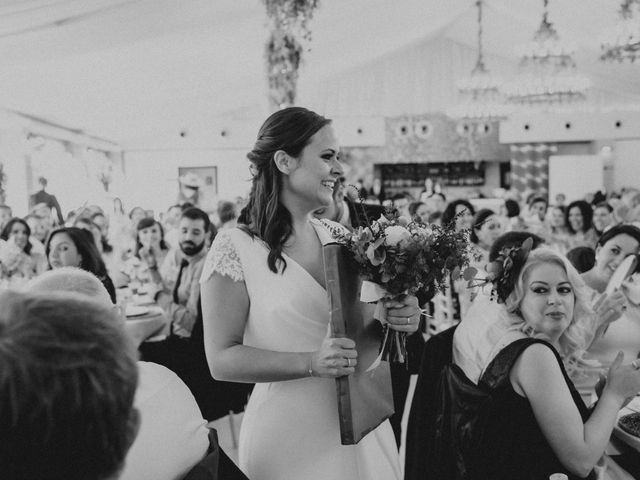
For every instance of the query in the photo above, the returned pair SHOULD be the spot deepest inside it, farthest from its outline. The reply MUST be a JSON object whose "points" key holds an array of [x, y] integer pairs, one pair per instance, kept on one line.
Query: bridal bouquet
{"points": [[397, 256]]}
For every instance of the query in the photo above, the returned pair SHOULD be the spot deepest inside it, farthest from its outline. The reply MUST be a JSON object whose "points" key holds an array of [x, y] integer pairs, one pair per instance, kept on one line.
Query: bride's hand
{"points": [[403, 313], [337, 357]]}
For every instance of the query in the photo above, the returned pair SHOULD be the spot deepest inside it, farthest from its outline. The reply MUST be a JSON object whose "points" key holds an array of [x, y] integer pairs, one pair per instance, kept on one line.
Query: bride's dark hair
{"points": [[289, 130]]}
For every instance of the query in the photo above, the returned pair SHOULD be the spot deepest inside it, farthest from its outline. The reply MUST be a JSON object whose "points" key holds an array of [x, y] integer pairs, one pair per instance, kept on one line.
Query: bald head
{"points": [[71, 279]]}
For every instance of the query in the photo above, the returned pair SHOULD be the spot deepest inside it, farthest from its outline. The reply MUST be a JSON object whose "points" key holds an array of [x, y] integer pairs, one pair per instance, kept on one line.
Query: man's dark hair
{"points": [[67, 383], [194, 213]]}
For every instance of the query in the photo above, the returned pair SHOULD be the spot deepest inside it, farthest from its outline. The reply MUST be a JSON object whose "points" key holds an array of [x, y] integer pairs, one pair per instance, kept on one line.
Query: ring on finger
{"points": [[636, 364], [348, 362], [408, 320]]}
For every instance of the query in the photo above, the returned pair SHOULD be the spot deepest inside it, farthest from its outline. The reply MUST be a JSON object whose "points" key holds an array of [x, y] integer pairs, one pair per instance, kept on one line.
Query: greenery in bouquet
{"points": [[403, 256]]}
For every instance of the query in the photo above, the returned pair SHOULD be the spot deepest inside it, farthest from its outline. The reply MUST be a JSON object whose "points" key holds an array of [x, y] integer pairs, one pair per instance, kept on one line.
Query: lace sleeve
{"points": [[223, 258]]}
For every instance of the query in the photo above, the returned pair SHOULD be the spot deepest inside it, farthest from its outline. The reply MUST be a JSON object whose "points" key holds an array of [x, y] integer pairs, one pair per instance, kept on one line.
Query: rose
{"points": [[395, 235]]}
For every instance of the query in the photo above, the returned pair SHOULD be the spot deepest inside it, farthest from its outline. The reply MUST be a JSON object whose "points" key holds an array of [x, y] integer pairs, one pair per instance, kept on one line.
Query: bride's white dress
{"points": [[290, 429]]}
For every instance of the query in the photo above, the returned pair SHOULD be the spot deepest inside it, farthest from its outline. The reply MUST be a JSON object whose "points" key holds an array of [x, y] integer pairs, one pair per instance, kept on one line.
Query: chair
{"points": [[436, 355], [216, 465]]}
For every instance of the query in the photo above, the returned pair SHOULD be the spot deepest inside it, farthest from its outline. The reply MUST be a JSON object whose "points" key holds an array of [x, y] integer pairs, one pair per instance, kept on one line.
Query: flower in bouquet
{"points": [[398, 256]]}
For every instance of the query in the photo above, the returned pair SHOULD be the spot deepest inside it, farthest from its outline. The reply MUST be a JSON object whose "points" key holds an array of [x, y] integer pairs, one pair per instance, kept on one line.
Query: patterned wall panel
{"points": [[437, 138], [530, 167]]}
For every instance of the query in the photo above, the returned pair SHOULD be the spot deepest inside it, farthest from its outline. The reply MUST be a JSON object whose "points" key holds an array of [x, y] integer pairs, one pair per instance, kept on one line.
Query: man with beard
{"points": [[177, 281]]}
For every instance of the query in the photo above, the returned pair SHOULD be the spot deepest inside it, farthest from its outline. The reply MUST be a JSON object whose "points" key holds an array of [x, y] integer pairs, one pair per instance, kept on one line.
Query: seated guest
{"points": [[176, 281], [227, 214], [558, 234], [617, 316], [579, 216], [173, 435], [462, 211], [602, 217], [486, 229], [68, 393], [75, 247], [473, 342], [22, 260], [533, 422], [150, 252]]}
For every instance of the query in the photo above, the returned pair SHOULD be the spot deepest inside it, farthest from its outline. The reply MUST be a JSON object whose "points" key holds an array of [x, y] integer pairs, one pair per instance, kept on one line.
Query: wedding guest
{"points": [[535, 422], [85, 223], [485, 231], [511, 212], [419, 210], [558, 233], [266, 313], [102, 222], [172, 431], [537, 213], [437, 201], [579, 215], [170, 225], [401, 203], [150, 252], [75, 247], [41, 196], [176, 280], [226, 214], [617, 316], [6, 214], [26, 262], [602, 217], [462, 211], [67, 381]]}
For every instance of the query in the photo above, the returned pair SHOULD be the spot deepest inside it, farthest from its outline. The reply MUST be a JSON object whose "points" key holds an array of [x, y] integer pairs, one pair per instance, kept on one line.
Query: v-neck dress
{"points": [[290, 429]]}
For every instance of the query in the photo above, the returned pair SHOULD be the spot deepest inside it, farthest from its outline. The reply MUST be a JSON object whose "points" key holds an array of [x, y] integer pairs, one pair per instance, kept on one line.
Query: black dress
{"points": [[508, 443]]}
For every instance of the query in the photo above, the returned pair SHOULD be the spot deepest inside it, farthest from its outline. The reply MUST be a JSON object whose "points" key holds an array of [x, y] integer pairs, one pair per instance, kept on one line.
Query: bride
{"points": [[266, 314]]}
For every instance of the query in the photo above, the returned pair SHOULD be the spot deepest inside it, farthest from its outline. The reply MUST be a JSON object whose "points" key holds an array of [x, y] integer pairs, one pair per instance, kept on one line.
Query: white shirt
{"points": [[173, 436]]}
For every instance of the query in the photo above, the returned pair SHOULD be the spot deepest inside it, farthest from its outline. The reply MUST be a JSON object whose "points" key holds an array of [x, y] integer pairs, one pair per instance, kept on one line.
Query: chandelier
{"points": [[622, 42], [481, 89], [548, 75]]}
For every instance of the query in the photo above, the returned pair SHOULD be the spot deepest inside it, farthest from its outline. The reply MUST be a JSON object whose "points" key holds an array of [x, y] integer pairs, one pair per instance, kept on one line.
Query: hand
{"points": [[623, 380], [337, 357], [403, 313], [610, 308], [147, 254]]}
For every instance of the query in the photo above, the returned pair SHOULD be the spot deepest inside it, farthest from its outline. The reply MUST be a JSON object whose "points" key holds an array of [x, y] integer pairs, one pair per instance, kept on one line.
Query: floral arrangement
{"points": [[398, 256], [503, 271]]}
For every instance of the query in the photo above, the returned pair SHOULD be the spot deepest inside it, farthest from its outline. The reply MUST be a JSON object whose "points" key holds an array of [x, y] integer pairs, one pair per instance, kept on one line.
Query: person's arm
{"points": [[225, 308], [578, 445], [56, 206]]}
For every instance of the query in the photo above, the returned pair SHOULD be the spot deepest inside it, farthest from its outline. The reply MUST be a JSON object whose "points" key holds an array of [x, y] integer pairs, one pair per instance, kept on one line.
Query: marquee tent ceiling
{"points": [[136, 71]]}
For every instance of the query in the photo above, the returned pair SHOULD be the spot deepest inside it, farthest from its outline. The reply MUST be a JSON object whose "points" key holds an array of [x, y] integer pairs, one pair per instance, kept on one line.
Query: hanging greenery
{"points": [[289, 30], [3, 181]]}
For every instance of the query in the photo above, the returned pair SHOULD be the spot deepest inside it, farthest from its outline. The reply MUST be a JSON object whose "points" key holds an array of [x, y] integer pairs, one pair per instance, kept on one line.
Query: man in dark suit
{"points": [[354, 214], [49, 200]]}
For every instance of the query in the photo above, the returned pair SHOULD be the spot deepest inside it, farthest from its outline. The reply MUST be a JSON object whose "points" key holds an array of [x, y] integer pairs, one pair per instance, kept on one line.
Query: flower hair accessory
{"points": [[503, 271]]}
